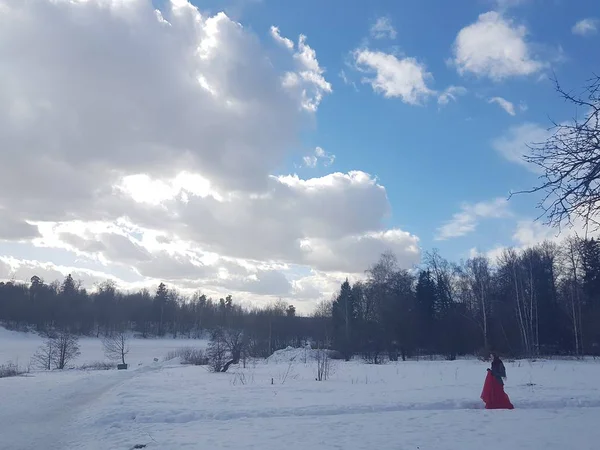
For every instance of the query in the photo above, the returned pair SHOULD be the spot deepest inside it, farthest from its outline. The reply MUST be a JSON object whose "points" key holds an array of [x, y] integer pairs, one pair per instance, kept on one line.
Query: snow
{"points": [[276, 403], [293, 354], [18, 347]]}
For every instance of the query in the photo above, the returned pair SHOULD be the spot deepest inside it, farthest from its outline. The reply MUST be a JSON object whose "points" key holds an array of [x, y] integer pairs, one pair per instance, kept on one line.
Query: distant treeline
{"points": [[68, 306], [541, 300]]}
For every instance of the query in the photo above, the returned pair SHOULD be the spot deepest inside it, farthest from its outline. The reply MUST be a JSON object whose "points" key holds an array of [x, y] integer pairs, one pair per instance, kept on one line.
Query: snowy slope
{"points": [[403, 406]]}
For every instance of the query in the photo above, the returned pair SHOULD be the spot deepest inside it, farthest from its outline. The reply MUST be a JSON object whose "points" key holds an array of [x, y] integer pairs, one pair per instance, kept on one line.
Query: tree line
{"points": [[543, 300], [67, 306], [537, 301]]}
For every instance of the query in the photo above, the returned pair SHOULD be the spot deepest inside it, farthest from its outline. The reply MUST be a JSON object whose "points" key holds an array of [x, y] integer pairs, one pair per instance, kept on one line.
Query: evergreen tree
{"points": [[160, 303], [344, 318]]}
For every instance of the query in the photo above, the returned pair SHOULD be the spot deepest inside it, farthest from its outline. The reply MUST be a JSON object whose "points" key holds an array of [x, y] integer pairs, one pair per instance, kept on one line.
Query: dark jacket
{"points": [[498, 370]]}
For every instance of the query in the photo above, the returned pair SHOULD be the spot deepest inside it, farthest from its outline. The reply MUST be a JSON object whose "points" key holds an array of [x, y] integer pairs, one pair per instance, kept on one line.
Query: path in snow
{"points": [[52, 404], [272, 405], [187, 416]]}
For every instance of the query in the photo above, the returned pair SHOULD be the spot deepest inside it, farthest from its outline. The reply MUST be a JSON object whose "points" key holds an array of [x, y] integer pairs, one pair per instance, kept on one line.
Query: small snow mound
{"points": [[291, 354], [176, 361]]}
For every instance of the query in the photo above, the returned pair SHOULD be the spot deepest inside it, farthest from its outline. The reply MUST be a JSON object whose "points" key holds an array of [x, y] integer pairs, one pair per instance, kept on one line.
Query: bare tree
{"points": [[323, 364], [59, 349], [573, 263], [236, 343], [116, 346], [44, 356], [67, 349], [570, 162], [510, 260], [323, 308], [443, 273], [478, 279]]}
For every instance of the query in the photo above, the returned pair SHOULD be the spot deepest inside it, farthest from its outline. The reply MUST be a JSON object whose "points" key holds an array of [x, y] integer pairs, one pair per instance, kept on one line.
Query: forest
{"points": [[543, 300]]}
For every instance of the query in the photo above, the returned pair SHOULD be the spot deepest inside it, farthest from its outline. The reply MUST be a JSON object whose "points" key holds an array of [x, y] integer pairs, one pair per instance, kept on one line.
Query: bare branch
{"points": [[570, 163]]}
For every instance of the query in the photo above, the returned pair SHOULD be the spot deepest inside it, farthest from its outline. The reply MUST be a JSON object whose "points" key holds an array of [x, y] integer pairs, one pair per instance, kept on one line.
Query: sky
{"points": [[270, 149]]}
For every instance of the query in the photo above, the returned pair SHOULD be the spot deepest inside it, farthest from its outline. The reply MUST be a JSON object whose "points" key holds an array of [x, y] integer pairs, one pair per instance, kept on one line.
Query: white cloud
{"points": [[493, 254], [361, 250], [450, 94], [282, 40], [144, 145], [383, 29], [494, 47], [513, 146], [263, 282], [466, 221], [308, 79], [504, 104], [23, 270], [529, 233], [149, 121], [291, 212], [319, 155], [586, 27], [404, 78]]}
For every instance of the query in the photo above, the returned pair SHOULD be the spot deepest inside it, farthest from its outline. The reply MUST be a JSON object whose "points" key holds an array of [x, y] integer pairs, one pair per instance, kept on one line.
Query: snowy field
{"points": [[18, 348], [277, 404]]}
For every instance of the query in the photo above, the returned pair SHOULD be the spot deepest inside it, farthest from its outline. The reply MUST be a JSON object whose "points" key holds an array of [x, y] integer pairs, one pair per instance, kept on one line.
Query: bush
{"points": [[98, 365], [373, 357], [189, 355], [10, 370], [218, 353]]}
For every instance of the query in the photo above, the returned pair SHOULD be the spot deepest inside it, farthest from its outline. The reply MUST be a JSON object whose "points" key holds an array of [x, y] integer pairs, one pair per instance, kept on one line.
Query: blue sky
{"points": [[432, 159], [273, 150]]}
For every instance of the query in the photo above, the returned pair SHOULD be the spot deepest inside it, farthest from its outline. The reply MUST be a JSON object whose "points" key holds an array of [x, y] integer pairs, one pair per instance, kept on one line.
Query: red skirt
{"points": [[493, 394]]}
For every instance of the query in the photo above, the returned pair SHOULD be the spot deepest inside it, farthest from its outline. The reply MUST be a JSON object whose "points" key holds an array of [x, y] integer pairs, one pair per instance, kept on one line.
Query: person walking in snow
{"points": [[498, 370], [493, 394]]}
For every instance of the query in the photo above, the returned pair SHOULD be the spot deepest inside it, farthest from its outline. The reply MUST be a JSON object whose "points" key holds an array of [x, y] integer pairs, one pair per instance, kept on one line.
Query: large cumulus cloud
{"points": [[153, 139]]}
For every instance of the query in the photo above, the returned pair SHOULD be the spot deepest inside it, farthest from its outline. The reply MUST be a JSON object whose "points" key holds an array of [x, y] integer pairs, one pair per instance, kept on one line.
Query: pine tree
{"points": [[160, 303], [343, 320]]}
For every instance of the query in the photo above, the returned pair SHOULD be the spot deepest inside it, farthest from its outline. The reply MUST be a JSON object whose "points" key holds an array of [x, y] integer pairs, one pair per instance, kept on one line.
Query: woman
{"points": [[493, 394]]}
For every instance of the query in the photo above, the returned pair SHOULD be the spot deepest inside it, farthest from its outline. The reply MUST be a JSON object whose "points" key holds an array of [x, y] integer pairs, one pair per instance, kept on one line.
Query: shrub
{"points": [[98, 365], [189, 355], [218, 353], [10, 370]]}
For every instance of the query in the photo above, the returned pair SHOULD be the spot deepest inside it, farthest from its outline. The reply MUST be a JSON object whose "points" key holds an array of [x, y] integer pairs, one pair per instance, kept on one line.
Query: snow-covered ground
{"points": [[18, 348], [277, 404]]}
